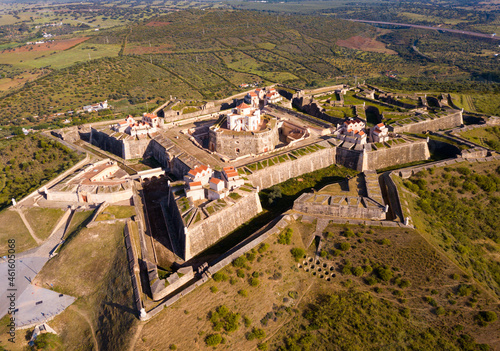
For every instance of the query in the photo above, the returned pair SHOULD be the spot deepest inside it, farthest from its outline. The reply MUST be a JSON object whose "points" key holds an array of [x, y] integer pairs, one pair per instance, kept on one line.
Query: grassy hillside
{"points": [[93, 267], [457, 207], [29, 161], [389, 289]]}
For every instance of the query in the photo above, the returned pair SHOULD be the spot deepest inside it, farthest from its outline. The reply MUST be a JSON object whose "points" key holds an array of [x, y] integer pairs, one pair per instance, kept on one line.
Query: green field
{"points": [[488, 137]]}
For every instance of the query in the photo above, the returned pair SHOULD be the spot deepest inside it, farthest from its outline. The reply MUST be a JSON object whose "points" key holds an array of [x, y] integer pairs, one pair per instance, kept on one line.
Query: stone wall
{"points": [[281, 172], [207, 232], [135, 148], [393, 197], [106, 142], [174, 224], [397, 154], [236, 144], [309, 106], [347, 211], [452, 120], [349, 158]]}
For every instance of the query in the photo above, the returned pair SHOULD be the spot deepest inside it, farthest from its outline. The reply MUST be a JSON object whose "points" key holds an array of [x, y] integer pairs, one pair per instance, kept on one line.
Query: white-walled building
{"points": [[147, 126], [232, 178], [195, 191], [272, 96], [244, 118], [96, 107], [379, 133], [199, 174]]}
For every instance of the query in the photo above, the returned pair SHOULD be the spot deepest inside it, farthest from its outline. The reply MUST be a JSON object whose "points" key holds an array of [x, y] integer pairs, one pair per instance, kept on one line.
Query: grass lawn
{"points": [[78, 219], [488, 137], [113, 212], [12, 227], [43, 220]]}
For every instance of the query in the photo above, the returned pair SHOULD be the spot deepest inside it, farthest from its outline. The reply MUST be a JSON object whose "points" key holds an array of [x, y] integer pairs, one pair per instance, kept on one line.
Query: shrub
{"points": [[357, 271], [262, 248], [323, 253], [247, 321], [344, 246], [243, 293], [439, 311], [218, 277], [464, 290], [172, 347], [384, 273], [262, 346], [250, 256], [368, 268], [405, 283], [348, 233], [297, 253], [240, 262], [256, 333], [240, 273], [213, 339], [285, 238], [485, 317], [254, 282]]}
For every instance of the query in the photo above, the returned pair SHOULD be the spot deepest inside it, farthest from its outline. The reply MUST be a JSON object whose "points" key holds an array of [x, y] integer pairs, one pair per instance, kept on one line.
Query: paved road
{"points": [[458, 31], [28, 264]]}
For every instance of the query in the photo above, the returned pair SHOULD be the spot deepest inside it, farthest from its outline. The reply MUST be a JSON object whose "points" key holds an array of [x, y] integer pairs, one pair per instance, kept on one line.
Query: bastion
{"points": [[234, 144]]}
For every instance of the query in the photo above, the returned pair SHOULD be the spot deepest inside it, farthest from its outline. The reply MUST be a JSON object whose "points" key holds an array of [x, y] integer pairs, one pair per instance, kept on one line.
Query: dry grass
{"points": [[12, 227], [43, 220], [186, 323], [83, 261]]}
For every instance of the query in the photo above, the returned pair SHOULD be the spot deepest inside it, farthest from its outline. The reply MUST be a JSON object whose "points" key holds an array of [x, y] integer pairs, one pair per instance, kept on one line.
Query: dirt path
{"points": [[26, 223], [136, 336], [77, 310]]}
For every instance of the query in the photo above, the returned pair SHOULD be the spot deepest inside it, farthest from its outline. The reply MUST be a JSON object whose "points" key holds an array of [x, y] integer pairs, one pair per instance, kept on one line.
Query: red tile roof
{"points": [[232, 174], [215, 180], [243, 105], [194, 184]]}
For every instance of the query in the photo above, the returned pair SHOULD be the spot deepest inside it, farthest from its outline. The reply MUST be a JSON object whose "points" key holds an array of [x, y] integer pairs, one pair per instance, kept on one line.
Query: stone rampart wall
{"points": [[174, 224], [207, 232], [324, 124], [107, 143], [272, 175], [170, 288], [133, 266], [312, 208], [349, 158], [445, 122], [393, 197], [397, 154], [135, 148]]}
